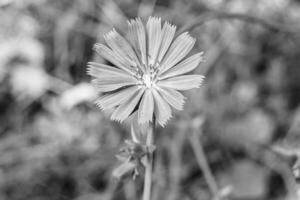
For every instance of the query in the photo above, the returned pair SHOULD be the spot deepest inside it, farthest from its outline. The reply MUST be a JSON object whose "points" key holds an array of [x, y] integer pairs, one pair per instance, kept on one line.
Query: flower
{"points": [[148, 70]]}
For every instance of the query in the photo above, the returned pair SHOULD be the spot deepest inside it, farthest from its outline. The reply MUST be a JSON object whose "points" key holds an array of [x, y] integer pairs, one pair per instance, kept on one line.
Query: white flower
{"points": [[147, 71]]}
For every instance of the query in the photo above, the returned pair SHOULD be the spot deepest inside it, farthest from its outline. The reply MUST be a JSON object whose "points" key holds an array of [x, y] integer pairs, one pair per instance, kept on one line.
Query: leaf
{"points": [[123, 169]]}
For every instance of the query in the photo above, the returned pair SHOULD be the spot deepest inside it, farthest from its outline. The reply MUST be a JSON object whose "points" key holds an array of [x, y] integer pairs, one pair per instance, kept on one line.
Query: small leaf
{"points": [[123, 169]]}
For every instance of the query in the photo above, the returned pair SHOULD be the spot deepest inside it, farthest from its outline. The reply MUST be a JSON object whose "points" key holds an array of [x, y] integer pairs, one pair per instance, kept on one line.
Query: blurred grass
{"points": [[55, 144]]}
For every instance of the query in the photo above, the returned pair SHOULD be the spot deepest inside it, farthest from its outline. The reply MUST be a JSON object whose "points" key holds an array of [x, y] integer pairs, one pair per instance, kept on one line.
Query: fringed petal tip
{"points": [[154, 18], [200, 80], [110, 33], [116, 119], [180, 106], [135, 20], [187, 36], [96, 46], [164, 122], [170, 25], [200, 56], [98, 105], [89, 68]]}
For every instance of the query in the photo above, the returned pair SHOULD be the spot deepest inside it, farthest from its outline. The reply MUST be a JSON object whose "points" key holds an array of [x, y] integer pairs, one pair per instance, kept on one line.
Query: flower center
{"points": [[147, 80]]}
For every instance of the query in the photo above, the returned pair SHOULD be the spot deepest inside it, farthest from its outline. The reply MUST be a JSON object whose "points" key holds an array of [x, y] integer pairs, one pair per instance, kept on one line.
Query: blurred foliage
{"points": [[55, 144]]}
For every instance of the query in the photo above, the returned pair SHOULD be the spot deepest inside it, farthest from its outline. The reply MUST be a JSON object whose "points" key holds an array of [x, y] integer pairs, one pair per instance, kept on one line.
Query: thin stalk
{"points": [[202, 162], [149, 163]]}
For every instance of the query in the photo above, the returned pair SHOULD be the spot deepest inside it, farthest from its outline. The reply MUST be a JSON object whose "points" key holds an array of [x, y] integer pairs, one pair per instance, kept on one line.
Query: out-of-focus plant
{"points": [[148, 70]]}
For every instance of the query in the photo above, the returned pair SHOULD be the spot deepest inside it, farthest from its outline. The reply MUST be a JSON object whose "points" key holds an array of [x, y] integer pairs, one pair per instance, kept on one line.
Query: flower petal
{"points": [[110, 84], [99, 70], [138, 31], [184, 66], [112, 57], [168, 33], [121, 47], [154, 38], [173, 97], [181, 46], [108, 101], [162, 109], [138, 131], [132, 36], [124, 110], [146, 108], [184, 82]]}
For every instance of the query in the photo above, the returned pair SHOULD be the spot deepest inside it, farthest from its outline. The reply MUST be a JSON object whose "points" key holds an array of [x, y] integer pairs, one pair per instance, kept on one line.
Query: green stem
{"points": [[202, 162], [149, 163]]}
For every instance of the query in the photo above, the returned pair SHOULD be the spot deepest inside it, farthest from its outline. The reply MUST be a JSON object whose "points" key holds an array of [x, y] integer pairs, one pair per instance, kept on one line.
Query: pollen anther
{"points": [[147, 80]]}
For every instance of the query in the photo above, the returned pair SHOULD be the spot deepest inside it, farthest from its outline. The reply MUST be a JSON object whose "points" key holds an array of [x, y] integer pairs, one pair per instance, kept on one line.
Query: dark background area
{"points": [[55, 144]]}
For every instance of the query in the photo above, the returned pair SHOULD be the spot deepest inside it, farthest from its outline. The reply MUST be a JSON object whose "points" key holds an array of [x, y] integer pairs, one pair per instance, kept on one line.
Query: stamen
{"points": [[147, 80]]}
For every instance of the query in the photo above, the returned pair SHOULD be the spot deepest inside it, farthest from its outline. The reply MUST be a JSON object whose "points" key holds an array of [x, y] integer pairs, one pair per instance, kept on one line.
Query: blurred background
{"points": [[55, 144]]}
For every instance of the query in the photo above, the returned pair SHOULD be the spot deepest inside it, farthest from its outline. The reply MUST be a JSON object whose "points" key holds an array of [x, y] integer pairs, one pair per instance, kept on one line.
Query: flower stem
{"points": [[202, 162], [149, 163]]}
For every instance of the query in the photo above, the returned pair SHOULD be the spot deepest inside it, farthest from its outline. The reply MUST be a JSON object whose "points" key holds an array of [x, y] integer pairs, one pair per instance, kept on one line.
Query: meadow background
{"points": [[55, 144]]}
